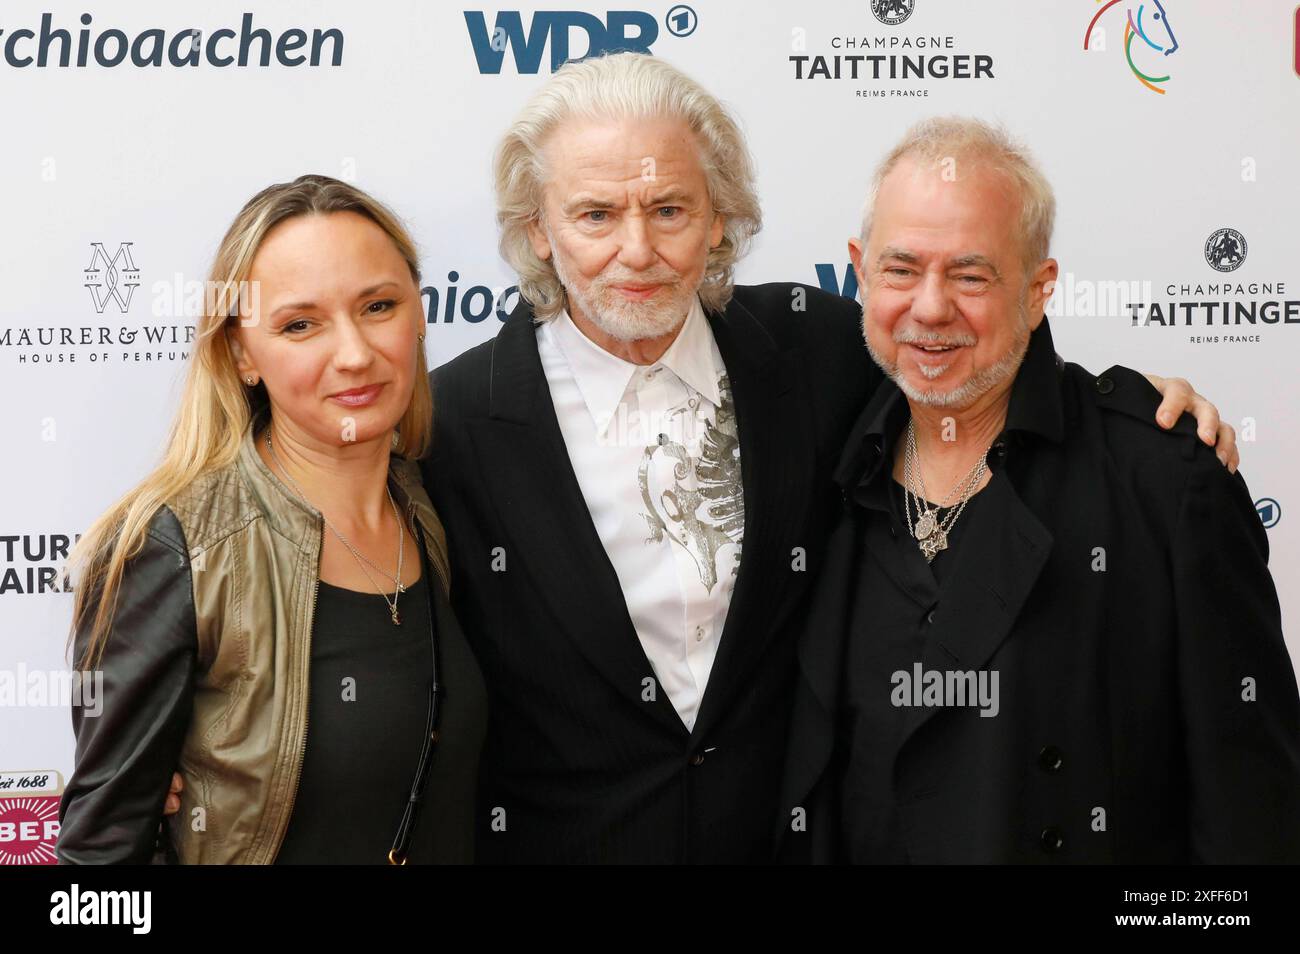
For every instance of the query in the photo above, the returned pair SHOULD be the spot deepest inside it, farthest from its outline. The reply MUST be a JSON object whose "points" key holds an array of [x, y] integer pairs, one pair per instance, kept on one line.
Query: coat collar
{"points": [[1035, 409]]}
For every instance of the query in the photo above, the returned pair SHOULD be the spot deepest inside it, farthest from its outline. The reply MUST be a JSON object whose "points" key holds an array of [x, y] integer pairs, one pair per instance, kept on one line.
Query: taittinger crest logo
{"points": [[1225, 250], [892, 12]]}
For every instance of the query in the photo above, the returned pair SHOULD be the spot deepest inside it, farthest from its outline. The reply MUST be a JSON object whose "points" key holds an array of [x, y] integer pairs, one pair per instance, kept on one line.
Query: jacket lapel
{"points": [[523, 459], [994, 571], [776, 462], [815, 716]]}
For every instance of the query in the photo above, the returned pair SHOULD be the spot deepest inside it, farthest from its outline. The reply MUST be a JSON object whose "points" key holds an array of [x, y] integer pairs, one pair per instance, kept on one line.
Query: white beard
{"points": [[626, 320], [970, 390]]}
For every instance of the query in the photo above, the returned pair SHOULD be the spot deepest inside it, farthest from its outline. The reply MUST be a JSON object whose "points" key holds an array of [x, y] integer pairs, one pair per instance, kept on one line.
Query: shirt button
{"points": [[699, 634], [1051, 840], [1050, 759]]}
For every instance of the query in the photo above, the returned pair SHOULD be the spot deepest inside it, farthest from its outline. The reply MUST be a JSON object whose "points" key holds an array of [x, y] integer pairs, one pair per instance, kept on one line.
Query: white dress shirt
{"points": [[657, 458]]}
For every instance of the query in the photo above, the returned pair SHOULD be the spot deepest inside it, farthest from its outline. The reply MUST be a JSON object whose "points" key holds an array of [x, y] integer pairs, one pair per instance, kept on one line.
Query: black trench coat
{"points": [[1120, 689]]}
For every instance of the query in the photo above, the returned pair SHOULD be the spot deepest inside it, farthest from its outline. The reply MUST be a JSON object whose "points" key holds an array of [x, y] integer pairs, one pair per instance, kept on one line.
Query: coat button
{"points": [[433, 736], [929, 617], [1000, 448], [1105, 385], [1051, 840], [697, 758], [1050, 758]]}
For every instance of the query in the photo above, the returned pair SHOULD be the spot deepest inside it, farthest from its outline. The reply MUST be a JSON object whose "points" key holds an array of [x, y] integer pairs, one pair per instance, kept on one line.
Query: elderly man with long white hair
{"points": [[635, 476]]}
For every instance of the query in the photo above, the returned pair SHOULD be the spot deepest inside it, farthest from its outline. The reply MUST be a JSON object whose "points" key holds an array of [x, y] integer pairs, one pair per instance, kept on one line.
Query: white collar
{"points": [[602, 378]]}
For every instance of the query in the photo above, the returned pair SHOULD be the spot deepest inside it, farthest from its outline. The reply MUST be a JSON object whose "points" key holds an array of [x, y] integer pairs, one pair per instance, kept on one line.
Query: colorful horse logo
{"points": [[1152, 25]]}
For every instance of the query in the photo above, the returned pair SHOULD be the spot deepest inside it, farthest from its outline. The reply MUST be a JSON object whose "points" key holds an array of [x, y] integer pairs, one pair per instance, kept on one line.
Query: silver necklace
{"points": [[930, 532], [401, 539]]}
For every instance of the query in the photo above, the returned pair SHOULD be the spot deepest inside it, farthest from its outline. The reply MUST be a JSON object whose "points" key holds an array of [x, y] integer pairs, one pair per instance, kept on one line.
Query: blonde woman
{"points": [[269, 606]]}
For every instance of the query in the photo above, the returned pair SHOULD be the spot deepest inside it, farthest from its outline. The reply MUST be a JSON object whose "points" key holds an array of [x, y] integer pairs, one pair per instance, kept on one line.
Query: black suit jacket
{"points": [[579, 765], [1121, 689]]}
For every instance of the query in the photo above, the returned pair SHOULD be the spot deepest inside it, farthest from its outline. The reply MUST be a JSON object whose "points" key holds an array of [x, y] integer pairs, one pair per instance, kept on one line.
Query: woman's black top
{"points": [[367, 711]]}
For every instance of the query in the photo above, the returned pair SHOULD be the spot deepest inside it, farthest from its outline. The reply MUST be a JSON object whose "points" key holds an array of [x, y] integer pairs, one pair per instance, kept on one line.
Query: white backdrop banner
{"points": [[136, 131]]}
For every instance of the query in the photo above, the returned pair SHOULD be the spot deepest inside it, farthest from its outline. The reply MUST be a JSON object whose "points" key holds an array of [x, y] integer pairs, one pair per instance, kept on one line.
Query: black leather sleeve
{"points": [[126, 752]]}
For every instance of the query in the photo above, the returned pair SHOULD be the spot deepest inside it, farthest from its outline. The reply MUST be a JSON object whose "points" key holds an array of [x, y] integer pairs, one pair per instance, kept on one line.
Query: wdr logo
{"points": [[621, 31]]}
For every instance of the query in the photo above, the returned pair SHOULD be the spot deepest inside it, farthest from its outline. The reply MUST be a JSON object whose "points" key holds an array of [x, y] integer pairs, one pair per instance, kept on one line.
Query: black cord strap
{"points": [[406, 828]]}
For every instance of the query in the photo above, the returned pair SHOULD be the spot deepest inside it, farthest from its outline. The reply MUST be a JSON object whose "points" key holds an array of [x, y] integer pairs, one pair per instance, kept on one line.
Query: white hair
{"points": [[622, 86], [992, 147]]}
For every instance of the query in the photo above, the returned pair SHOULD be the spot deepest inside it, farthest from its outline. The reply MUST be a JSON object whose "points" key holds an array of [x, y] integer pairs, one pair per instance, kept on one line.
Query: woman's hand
{"points": [[173, 803]]}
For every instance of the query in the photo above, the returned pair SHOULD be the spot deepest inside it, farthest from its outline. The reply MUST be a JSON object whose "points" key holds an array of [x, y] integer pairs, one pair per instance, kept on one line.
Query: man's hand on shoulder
{"points": [[1179, 396]]}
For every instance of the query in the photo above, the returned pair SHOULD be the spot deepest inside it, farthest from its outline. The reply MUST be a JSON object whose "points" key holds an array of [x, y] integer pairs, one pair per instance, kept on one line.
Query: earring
{"points": [[251, 380], [421, 337]]}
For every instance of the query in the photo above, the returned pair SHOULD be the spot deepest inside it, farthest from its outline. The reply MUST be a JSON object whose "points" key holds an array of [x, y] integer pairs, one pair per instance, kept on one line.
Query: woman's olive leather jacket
{"points": [[206, 672]]}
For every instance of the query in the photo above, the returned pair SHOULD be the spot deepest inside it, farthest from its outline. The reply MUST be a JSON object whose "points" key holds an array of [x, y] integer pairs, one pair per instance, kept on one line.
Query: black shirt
{"points": [[888, 620], [367, 713], [943, 559]]}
